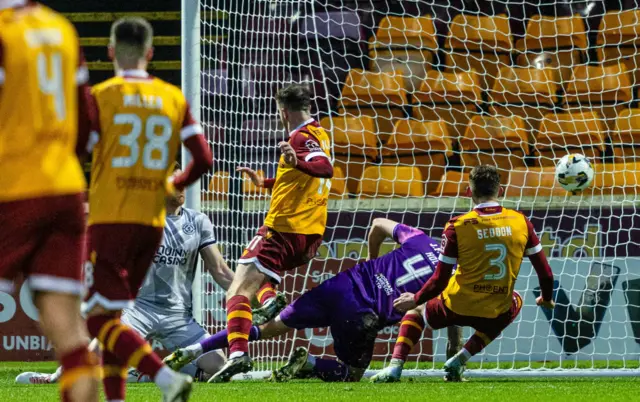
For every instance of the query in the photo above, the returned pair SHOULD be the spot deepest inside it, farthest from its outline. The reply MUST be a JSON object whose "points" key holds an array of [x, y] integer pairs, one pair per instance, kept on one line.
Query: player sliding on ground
{"points": [[294, 226], [163, 307], [488, 245], [43, 118], [356, 304], [142, 122]]}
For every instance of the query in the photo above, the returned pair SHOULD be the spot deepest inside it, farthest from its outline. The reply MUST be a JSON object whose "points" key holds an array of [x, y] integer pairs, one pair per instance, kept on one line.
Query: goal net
{"points": [[414, 94]]}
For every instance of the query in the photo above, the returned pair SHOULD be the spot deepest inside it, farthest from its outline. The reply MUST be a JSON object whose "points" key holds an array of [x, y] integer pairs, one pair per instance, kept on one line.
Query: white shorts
{"points": [[172, 330]]}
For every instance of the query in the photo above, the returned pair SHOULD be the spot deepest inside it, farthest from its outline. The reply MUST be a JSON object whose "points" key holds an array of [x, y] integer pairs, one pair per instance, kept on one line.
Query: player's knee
{"points": [[246, 281]]}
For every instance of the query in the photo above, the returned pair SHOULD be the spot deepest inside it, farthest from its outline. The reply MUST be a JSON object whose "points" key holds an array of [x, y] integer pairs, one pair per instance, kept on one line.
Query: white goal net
{"points": [[414, 94]]}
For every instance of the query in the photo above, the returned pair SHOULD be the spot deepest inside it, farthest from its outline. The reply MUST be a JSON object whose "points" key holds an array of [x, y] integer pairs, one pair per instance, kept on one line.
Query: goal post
{"points": [[414, 95]]}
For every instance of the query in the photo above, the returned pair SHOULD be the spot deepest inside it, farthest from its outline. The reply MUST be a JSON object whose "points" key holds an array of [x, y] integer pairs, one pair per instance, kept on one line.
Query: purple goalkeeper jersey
{"points": [[381, 280]]}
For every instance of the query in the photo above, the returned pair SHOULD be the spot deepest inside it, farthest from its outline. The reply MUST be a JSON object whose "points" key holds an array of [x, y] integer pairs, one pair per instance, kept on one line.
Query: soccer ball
{"points": [[574, 172]]}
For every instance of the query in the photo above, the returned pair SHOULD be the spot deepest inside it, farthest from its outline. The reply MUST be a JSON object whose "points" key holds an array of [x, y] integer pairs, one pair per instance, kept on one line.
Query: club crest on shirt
{"points": [[188, 228]]}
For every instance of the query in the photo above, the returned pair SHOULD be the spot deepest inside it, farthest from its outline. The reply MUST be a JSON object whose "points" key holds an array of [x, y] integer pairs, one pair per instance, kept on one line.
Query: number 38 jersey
{"points": [[488, 245], [299, 201], [40, 71], [142, 122]]}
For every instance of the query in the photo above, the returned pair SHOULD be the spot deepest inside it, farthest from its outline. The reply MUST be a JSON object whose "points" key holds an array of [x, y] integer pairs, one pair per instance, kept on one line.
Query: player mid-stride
{"points": [[356, 304], [142, 121], [488, 245], [44, 121], [293, 228]]}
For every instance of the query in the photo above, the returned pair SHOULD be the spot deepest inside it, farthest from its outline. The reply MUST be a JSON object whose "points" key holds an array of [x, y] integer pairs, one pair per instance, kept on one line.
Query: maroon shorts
{"points": [[439, 316], [119, 256], [274, 252], [43, 239]]}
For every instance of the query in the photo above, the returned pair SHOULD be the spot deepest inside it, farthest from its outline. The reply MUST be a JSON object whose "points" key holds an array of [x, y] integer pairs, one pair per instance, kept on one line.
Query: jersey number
{"points": [[412, 273], [497, 262], [51, 84], [156, 141]]}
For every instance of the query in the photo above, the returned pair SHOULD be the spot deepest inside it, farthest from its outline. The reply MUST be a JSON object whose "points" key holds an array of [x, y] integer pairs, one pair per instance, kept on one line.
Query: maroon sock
{"points": [[409, 334], [125, 344], [476, 343], [238, 324], [266, 292], [77, 365], [114, 377]]}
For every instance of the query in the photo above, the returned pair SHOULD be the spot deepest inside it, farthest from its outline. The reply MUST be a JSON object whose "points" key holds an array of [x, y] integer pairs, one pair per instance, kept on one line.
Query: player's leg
{"points": [[486, 331], [119, 268], [54, 275], [114, 379], [271, 303], [409, 334]]}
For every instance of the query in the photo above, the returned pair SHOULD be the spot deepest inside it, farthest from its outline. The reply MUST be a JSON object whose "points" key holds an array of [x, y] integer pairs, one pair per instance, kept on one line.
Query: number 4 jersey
{"points": [[380, 281], [142, 123]]}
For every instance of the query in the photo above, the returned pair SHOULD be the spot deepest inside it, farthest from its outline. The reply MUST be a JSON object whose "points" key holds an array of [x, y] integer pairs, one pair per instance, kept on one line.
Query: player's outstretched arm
{"points": [[256, 179], [202, 161], [215, 264], [381, 229]]}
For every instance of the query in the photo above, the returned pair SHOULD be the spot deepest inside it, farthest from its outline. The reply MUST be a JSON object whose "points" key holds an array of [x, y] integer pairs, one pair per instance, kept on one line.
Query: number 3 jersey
{"points": [[488, 245], [41, 69], [381, 280], [142, 123]]}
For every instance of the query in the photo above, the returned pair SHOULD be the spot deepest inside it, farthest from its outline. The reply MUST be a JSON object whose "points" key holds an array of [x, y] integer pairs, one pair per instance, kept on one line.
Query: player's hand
{"points": [[253, 175], [405, 302], [289, 153], [169, 187], [550, 304]]}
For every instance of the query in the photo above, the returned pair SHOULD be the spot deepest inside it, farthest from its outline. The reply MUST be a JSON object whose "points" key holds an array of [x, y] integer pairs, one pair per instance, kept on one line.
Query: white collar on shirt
{"points": [[133, 73], [488, 204], [12, 3], [309, 121]]}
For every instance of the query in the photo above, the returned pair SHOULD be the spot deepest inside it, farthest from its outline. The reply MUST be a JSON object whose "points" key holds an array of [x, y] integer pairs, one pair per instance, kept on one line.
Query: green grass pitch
{"points": [[431, 389]]}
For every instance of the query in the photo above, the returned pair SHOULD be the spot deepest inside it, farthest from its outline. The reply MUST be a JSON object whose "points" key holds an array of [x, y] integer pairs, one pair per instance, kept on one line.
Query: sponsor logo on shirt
{"points": [[170, 256], [491, 289], [313, 146], [383, 283]]}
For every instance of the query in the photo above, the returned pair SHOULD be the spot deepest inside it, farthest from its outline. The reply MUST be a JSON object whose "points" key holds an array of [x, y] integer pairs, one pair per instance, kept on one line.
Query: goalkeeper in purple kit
{"points": [[356, 304]]}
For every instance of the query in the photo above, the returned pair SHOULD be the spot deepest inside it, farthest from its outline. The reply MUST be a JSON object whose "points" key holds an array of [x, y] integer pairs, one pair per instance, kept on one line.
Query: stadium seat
{"points": [[218, 187], [481, 43], [355, 145], [616, 179], [558, 42], [526, 92], [250, 190], [391, 181], [619, 40], [452, 184], [564, 133], [603, 89], [533, 182], [380, 95], [404, 43], [338, 184], [452, 97], [625, 138], [425, 145], [498, 141]]}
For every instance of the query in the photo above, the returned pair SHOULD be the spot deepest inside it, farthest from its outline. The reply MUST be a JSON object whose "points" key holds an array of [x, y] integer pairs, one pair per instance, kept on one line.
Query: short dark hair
{"points": [[131, 37], [484, 181], [294, 97]]}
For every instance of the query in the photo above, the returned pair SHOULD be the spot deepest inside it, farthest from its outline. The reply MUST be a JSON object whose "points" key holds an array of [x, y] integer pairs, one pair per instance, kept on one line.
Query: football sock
{"points": [[409, 334], [330, 370], [56, 376], [125, 344], [219, 340], [476, 343], [239, 319], [266, 293], [77, 365], [114, 375]]}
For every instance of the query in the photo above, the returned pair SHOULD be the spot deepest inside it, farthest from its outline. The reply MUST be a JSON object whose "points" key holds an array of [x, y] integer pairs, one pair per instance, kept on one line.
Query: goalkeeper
{"points": [[163, 307]]}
